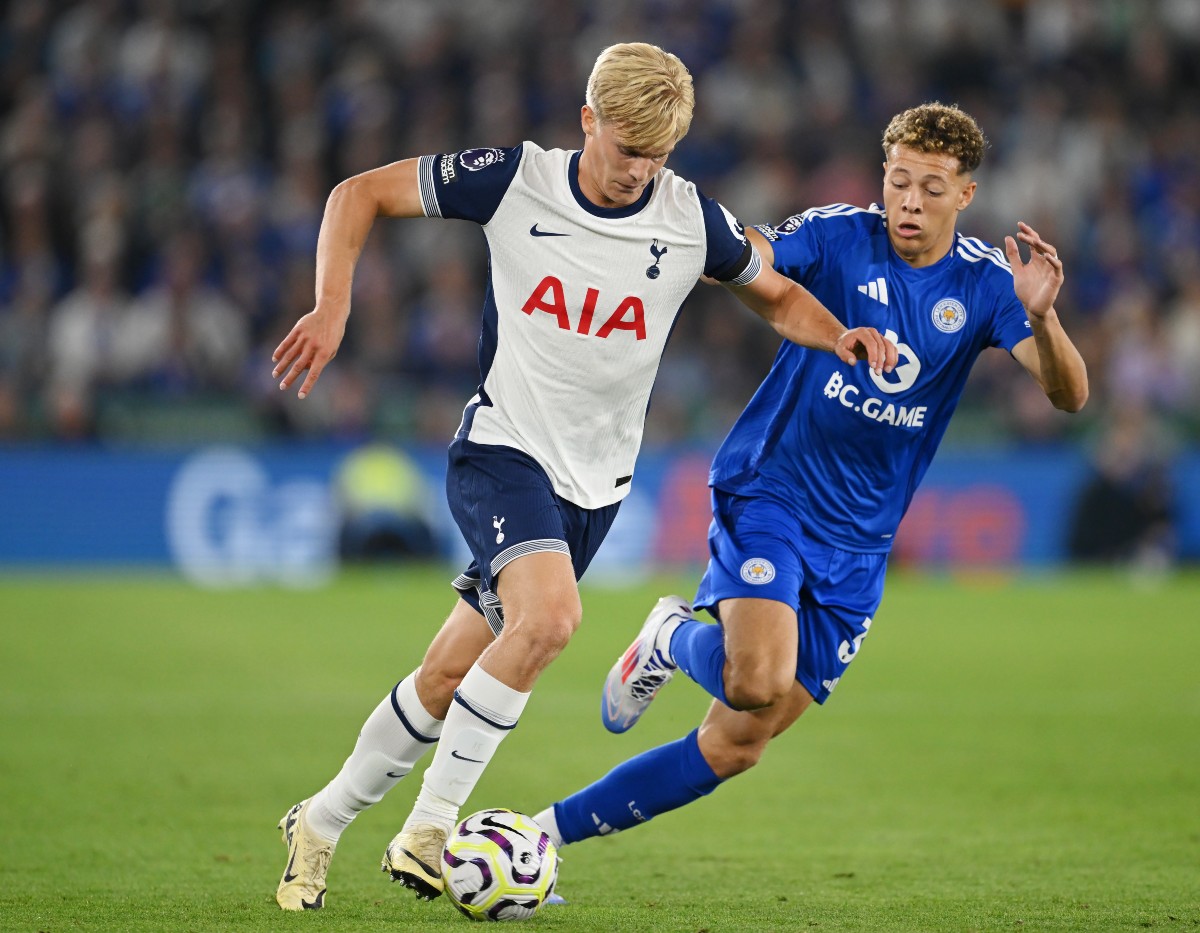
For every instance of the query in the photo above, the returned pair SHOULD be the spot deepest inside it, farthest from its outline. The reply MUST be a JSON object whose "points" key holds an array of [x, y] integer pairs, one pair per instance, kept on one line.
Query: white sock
{"points": [[662, 644], [392, 740], [549, 823], [484, 711]]}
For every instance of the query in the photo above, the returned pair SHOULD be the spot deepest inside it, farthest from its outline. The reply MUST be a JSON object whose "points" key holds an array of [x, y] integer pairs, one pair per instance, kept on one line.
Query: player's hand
{"points": [[1036, 282], [866, 343], [311, 344]]}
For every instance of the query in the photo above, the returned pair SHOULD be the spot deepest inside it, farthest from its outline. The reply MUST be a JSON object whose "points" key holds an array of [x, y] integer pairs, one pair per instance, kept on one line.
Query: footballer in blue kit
{"points": [[810, 485], [823, 462]]}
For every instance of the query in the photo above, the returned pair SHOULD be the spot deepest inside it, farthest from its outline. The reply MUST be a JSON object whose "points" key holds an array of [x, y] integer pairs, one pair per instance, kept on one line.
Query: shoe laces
{"points": [[426, 840], [650, 680], [317, 860]]}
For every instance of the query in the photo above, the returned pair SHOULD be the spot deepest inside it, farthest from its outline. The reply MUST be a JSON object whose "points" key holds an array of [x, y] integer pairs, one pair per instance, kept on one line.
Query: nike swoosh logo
{"points": [[432, 873], [454, 754], [488, 821], [288, 877], [392, 774], [534, 231]]}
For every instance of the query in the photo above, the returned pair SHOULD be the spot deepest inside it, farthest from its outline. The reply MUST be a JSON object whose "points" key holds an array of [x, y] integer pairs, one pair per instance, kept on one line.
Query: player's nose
{"points": [[641, 170]]}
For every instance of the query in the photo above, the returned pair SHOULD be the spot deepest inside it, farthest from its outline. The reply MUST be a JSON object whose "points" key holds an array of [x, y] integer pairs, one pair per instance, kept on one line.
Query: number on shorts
{"points": [[847, 650]]}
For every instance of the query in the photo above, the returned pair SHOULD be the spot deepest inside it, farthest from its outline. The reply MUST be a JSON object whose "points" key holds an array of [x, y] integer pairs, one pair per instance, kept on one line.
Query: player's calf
{"points": [[730, 758], [733, 742]]}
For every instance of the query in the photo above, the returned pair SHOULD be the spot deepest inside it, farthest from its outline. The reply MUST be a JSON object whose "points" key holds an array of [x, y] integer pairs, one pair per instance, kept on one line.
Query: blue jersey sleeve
{"points": [[467, 185], [729, 256], [798, 246], [1010, 325]]}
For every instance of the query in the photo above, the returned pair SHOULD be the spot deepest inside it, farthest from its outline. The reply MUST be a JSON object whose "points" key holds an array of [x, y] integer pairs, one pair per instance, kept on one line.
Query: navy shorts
{"points": [[506, 508], [759, 548]]}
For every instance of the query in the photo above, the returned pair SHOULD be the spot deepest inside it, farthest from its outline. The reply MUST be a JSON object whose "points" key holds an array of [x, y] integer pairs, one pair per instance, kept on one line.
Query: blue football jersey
{"points": [[843, 446]]}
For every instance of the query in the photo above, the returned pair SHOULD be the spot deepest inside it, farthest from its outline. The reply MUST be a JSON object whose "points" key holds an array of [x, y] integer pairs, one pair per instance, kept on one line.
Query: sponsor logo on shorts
{"points": [[758, 570], [949, 315], [446, 167]]}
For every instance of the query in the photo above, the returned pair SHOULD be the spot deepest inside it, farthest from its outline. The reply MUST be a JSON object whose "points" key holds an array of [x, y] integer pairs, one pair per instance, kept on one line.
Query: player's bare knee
{"points": [[545, 634], [754, 688]]}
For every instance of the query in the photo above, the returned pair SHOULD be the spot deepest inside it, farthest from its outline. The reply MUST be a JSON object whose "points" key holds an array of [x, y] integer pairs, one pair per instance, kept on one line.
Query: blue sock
{"points": [[638, 790], [699, 650]]}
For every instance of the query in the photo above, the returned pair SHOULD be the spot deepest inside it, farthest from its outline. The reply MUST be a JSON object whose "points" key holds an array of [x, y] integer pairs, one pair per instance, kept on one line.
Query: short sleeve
{"points": [[797, 243], [1011, 324], [729, 256], [467, 185]]}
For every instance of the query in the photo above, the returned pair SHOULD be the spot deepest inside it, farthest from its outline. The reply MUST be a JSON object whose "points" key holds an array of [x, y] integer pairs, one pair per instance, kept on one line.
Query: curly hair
{"points": [[938, 128], [645, 93]]}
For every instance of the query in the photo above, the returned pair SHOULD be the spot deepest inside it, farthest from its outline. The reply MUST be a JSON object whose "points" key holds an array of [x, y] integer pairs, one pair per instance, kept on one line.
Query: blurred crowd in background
{"points": [[165, 166]]}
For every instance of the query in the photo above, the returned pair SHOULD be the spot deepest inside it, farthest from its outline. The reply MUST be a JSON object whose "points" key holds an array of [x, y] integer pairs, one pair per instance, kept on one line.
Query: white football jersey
{"points": [[579, 306]]}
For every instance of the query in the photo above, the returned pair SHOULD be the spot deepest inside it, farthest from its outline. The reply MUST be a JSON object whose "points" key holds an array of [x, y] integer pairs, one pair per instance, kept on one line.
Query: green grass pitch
{"points": [[1005, 754]]}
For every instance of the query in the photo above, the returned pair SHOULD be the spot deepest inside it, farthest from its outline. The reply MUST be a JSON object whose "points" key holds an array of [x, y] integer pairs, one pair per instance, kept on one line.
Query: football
{"points": [[499, 865]]}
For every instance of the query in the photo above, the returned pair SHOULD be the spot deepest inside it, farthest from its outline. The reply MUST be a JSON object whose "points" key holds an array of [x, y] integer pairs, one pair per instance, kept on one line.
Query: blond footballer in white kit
{"points": [[592, 253]]}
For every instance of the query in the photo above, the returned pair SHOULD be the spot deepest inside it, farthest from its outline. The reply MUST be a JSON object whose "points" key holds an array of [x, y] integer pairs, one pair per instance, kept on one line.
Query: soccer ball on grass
{"points": [[499, 865]]}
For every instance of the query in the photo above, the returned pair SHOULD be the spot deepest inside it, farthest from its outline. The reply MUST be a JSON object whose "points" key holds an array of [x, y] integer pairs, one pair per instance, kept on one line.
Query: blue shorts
{"points": [[759, 548], [506, 508]]}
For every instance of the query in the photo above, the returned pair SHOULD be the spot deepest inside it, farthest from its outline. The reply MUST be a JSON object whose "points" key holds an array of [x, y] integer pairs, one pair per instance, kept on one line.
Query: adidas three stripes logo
{"points": [[876, 290]]}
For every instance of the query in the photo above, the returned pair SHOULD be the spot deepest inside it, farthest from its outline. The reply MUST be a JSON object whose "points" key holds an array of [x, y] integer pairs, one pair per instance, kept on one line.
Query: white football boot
{"points": [[303, 884], [644, 668], [414, 858]]}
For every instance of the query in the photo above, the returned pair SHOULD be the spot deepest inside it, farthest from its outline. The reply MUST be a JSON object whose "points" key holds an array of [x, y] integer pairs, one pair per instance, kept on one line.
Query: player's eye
{"points": [[634, 154]]}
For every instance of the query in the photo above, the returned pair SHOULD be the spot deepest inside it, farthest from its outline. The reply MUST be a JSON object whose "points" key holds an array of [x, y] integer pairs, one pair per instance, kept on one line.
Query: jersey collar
{"points": [[613, 213]]}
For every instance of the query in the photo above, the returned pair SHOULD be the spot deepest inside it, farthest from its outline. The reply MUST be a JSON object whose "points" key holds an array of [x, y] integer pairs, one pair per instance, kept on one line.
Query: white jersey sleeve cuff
{"points": [[750, 273], [429, 201]]}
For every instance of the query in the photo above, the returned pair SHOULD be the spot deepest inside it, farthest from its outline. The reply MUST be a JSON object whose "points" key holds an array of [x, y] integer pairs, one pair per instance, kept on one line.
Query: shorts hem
{"points": [[485, 602], [508, 555], [819, 694]]}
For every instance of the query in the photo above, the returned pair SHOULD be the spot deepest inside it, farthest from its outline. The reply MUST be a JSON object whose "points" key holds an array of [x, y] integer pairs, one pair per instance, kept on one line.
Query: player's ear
{"points": [[587, 118], [967, 196]]}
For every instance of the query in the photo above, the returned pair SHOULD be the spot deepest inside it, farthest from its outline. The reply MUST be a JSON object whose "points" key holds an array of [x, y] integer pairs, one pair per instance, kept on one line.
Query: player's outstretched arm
{"points": [[799, 317], [1049, 355], [390, 191]]}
